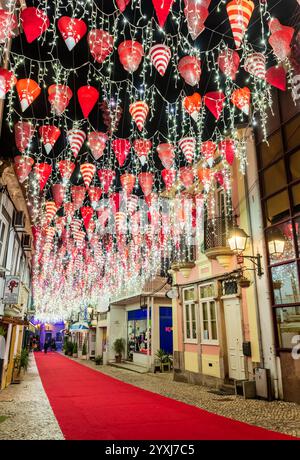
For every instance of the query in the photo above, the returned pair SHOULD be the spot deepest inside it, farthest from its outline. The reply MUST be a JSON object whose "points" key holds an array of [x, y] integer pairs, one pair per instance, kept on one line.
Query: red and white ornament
{"points": [[7, 81], [66, 169], [28, 90], [139, 111], [101, 44], [78, 195], [188, 147], [215, 101], [130, 53], [169, 176], [146, 182], [106, 178], [166, 154], [59, 194], [189, 68], [160, 56], [121, 148], [241, 98], [239, 14], [72, 30], [24, 132], [8, 23], [255, 64], [59, 97], [23, 167], [208, 149], [97, 143], [87, 171], [87, 97], [192, 105], [49, 135], [42, 172], [34, 22], [76, 138], [229, 61], [196, 13], [142, 148], [127, 182]]}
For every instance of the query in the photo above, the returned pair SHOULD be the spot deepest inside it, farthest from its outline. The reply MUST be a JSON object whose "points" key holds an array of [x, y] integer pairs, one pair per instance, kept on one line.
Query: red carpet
{"points": [[91, 405]]}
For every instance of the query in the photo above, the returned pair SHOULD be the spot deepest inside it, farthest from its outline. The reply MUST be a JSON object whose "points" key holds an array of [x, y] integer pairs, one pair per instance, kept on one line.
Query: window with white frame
{"points": [[189, 314], [3, 240], [208, 315]]}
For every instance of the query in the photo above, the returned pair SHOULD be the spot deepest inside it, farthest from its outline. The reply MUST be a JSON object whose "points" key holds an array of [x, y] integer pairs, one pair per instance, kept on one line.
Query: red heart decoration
{"points": [[214, 101], [276, 76], [121, 4], [34, 22], [72, 30], [162, 9]]}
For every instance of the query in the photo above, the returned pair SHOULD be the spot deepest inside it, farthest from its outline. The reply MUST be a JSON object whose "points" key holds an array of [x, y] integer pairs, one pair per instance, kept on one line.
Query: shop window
{"points": [[288, 107], [285, 284], [189, 313], [277, 208], [137, 332], [297, 229], [292, 133], [288, 326], [296, 198], [274, 178], [286, 231], [272, 150], [295, 165]]}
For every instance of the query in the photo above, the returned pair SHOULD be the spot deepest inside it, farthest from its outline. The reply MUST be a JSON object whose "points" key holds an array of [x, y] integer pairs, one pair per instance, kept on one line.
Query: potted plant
{"points": [[163, 359], [75, 350], [21, 364], [119, 348], [244, 282], [98, 360], [69, 348], [84, 351]]}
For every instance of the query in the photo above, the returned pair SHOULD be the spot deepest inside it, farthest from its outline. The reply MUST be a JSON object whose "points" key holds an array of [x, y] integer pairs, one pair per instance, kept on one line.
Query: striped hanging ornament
{"points": [[78, 195], [94, 194], [50, 211], [128, 182], [239, 14], [75, 225], [139, 111], [131, 204], [160, 56], [255, 64], [76, 138], [49, 135], [58, 193], [142, 148], [87, 171], [188, 147]]}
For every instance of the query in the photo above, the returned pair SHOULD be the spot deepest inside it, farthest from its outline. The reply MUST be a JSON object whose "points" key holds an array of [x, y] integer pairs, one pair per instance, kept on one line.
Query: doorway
{"points": [[234, 338], [166, 329]]}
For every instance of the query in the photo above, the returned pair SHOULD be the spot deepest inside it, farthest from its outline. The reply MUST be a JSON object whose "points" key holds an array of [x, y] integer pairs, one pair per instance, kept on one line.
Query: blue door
{"points": [[166, 329]]}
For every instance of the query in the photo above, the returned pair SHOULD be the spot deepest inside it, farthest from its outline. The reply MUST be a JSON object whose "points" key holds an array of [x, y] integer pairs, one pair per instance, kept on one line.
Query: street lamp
{"points": [[237, 241], [276, 243]]}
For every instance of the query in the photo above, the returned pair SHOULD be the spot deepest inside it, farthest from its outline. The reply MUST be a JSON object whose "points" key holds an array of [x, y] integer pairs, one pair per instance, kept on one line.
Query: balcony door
{"points": [[234, 338]]}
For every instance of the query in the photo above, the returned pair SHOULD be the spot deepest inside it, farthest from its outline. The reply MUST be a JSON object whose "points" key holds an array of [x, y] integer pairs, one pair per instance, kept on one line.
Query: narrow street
{"points": [[63, 398]]}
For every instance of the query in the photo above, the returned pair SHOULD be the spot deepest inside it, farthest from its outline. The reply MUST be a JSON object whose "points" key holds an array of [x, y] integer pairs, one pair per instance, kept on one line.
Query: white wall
{"points": [[117, 328]]}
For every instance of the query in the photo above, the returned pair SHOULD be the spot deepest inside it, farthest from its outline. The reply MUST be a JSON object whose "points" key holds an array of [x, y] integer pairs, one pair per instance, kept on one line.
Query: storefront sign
{"points": [[11, 290]]}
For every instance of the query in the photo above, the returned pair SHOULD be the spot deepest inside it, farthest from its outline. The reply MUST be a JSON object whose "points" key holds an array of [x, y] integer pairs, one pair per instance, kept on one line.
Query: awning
{"points": [[79, 327]]}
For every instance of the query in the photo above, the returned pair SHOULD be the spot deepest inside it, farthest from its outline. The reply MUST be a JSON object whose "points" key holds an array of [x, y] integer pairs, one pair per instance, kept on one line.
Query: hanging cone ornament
{"points": [[87, 171], [58, 193], [106, 177], [186, 176], [255, 64], [160, 56], [166, 154], [127, 182], [276, 76], [208, 149], [121, 148], [121, 4], [219, 178], [189, 68], [79, 237], [23, 167], [76, 138], [214, 101], [169, 176], [192, 105], [196, 14], [131, 204], [78, 195], [24, 132], [204, 176], [59, 97], [87, 97], [97, 143], [103, 216], [49, 135], [151, 199], [146, 182], [241, 98], [8, 23], [94, 194], [228, 62], [66, 169], [120, 222], [239, 14], [72, 30], [69, 209], [142, 148], [139, 111], [28, 90], [115, 201], [280, 39], [101, 44], [130, 54], [7, 81], [34, 22], [50, 211], [42, 172], [87, 213], [162, 10], [227, 150], [75, 225], [188, 147]]}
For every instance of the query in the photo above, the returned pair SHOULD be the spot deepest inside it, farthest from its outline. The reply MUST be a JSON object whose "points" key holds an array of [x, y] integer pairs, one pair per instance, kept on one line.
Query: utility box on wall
{"points": [[247, 348], [263, 383]]}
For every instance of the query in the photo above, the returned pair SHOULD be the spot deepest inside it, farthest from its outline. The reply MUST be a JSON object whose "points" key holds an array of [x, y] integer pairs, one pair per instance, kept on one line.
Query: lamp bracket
{"points": [[256, 260]]}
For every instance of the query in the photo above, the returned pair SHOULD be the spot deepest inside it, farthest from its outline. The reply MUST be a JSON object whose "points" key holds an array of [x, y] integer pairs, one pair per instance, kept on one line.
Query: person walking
{"points": [[46, 346]]}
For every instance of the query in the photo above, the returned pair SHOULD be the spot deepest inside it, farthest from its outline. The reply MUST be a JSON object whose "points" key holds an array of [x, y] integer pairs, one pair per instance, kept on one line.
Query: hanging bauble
{"points": [[229, 61], [131, 204], [127, 182], [34, 22], [160, 56], [23, 167], [111, 114], [142, 148], [121, 148], [162, 9], [130, 54], [69, 209], [255, 64], [101, 44], [8, 23], [280, 39], [94, 194], [97, 143], [208, 149], [87, 213], [87, 97], [205, 177], [120, 222], [151, 199], [58, 193], [139, 111], [87, 171], [241, 98], [59, 97], [196, 14], [239, 14], [42, 172], [50, 211], [189, 68], [121, 4], [72, 30], [219, 177], [78, 195], [75, 225], [76, 138], [169, 176], [146, 182], [24, 132], [214, 101], [106, 177], [7, 81], [276, 76], [188, 147], [227, 150], [192, 105], [115, 201], [28, 90], [49, 135], [166, 154], [186, 176], [66, 169]]}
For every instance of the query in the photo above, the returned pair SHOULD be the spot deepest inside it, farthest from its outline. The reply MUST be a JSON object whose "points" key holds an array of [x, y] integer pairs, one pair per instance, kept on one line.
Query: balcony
{"points": [[184, 259], [215, 240]]}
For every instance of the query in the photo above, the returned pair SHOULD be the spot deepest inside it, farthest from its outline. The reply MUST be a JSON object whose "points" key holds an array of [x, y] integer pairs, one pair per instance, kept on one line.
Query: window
{"points": [[274, 178], [208, 315], [292, 133], [137, 332], [189, 313], [3, 241], [288, 326], [285, 284], [286, 231], [278, 207], [271, 152]]}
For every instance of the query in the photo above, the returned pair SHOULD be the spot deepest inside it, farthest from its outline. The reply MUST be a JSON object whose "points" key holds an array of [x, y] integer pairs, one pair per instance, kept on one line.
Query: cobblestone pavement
{"points": [[28, 411], [275, 415]]}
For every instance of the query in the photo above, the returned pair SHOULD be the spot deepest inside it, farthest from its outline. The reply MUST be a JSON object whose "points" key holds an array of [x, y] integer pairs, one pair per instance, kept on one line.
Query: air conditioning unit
{"points": [[19, 221], [26, 242]]}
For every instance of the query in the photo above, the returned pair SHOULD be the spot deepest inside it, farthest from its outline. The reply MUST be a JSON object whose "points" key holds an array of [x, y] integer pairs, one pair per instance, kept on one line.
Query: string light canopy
{"points": [[110, 106]]}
